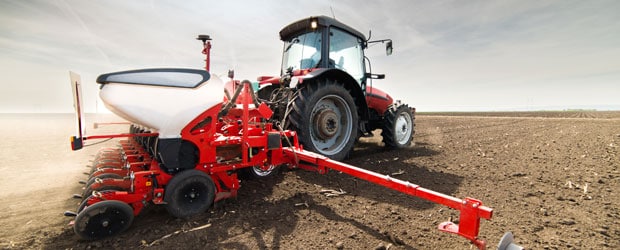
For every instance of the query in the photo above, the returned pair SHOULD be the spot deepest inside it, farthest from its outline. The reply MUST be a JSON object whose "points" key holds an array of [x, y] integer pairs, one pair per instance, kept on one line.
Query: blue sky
{"points": [[448, 55]]}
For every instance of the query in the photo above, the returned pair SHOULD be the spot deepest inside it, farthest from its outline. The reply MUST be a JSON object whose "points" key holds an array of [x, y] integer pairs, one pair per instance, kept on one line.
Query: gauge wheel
{"points": [[103, 219], [189, 193]]}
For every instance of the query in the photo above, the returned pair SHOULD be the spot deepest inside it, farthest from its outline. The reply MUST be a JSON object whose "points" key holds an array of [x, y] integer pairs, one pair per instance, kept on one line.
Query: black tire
{"points": [[103, 219], [189, 193], [326, 119], [398, 126], [252, 173]]}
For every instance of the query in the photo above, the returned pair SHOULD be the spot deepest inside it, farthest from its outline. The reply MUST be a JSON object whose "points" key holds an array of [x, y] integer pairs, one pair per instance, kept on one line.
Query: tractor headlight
{"points": [[314, 24]]}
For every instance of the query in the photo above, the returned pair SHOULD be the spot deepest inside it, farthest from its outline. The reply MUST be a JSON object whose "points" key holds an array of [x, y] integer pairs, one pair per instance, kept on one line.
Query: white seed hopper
{"points": [[164, 100]]}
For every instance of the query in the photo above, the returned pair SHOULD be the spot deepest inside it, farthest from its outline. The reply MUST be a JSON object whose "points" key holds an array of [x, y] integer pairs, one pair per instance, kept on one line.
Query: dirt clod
{"points": [[340, 245], [567, 222]]}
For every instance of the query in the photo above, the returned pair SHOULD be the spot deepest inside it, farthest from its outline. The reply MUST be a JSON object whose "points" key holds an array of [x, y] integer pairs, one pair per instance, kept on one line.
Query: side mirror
{"points": [[388, 48]]}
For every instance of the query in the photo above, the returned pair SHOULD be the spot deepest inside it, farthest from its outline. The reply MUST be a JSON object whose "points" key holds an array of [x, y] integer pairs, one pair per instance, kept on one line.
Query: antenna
{"points": [[332, 9], [206, 44]]}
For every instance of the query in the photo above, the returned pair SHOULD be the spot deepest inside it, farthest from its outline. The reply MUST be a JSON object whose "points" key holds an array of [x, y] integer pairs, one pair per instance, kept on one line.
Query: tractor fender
{"points": [[343, 77]]}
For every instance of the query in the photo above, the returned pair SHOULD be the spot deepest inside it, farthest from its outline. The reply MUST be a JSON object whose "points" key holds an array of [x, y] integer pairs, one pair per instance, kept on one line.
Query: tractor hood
{"points": [[164, 100]]}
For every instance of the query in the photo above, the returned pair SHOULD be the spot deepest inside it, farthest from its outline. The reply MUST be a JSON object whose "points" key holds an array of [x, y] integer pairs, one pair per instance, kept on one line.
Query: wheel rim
{"points": [[105, 218], [262, 173], [402, 128], [332, 126], [194, 195]]}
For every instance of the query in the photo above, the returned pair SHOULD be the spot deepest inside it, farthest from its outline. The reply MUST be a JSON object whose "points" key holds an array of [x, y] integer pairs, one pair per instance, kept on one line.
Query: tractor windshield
{"points": [[302, 51]]}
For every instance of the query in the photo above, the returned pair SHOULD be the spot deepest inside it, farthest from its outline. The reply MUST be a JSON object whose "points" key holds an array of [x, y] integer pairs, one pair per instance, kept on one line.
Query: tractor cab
{"points": [[323, 42]]}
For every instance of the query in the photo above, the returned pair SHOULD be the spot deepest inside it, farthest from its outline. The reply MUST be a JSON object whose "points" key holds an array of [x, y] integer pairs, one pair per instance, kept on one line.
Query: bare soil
{"points": [[551, 180]]}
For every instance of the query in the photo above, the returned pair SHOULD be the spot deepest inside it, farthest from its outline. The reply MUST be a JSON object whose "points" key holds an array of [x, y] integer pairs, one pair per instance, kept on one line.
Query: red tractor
{"points": [[325, 90], [190, 139]]}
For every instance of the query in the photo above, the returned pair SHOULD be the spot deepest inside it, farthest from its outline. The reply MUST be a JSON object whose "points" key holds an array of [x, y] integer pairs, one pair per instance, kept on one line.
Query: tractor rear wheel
{"points": [[398, 126], [189, 193], [326, 119], [103, 219]]}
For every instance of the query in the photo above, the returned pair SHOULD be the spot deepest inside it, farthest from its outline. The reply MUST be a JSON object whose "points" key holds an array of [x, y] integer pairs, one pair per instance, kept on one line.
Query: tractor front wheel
{"points": [[398, 126], [326, 119]]}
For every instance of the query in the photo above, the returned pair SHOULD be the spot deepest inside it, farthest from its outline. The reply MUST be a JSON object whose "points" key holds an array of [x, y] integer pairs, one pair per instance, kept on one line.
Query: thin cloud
{"points": [[447, 54]]}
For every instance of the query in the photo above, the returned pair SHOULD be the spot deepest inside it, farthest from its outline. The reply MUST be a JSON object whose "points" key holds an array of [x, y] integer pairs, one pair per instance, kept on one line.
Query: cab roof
{"points": [[303, 26]]}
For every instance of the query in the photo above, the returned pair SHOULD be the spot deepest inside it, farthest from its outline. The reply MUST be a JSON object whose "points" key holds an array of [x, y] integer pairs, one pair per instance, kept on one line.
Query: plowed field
{"points": [[551, 178]]}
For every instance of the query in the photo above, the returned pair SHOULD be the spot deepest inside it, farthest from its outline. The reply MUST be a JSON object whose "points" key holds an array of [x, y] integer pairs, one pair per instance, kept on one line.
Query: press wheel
{"points": [[103, 219]]}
